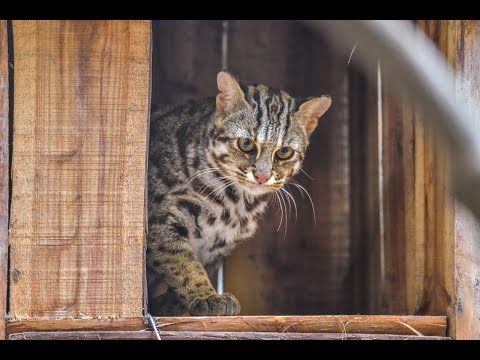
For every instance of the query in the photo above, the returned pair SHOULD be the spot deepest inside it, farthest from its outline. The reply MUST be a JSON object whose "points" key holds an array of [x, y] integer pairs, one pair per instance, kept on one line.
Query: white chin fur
{"points": [[257, 189]]}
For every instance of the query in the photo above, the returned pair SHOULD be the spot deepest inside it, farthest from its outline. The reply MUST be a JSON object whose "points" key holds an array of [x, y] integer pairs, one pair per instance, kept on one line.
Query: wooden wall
{"points": [[306, 271], [4, 175], [459, 40], [80, 137], [425, 252], [403, 241]]}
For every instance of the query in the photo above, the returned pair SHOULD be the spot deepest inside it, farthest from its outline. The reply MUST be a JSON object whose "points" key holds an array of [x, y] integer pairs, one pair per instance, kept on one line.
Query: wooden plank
{"points": [[453, 235], [366, 272], [80, 131], [467, 228], [4, 174], [398, 180], [304, 271], [15, 326], [418, 211], [186, 60], [208, 335], [374, 324]]}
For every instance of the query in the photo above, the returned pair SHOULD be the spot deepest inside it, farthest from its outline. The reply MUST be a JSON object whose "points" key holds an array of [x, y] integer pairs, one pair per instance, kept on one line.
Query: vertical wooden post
{"points": [[79, 161], [417, 252], [4, 188], [463, 48], [366, 272], [440, 253]]}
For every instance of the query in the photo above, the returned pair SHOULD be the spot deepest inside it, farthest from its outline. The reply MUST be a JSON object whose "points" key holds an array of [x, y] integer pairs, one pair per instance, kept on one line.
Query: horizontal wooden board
{"points": [[373, 324], [208, 335]]}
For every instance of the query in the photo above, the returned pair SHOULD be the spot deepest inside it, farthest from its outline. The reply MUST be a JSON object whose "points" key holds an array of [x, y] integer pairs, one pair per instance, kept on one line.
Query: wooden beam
{"points": [[4, 175], [208, 335], [80, 132], [373, 324], [465, 311]]}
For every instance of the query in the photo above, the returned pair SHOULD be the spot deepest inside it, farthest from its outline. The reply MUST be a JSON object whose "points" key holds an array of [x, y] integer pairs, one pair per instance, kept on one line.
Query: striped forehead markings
{"points": [[271, 123]]}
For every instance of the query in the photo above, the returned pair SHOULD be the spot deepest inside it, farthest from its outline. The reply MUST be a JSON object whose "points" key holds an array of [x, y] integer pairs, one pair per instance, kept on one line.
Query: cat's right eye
{"points": [[246, 144]]}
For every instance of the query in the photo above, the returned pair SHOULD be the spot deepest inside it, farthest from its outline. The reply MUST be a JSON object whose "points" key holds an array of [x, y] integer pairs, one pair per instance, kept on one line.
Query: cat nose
{"points": [[261, 178]]}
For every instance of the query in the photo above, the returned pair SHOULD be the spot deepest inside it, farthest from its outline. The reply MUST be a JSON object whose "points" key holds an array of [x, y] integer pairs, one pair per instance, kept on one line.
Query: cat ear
{"points": [[311, 110], [230, 95]]}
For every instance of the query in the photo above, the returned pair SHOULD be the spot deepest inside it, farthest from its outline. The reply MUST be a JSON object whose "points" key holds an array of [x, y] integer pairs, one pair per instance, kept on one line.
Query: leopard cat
{"points": [[213, 166]]}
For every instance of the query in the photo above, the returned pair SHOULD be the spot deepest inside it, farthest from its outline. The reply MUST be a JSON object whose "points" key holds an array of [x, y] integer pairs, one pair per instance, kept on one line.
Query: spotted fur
{"points": [[203, 195]]}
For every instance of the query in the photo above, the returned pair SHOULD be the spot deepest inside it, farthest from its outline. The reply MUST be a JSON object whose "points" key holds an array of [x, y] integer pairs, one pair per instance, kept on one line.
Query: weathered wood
{"points": [[208, 335], [4, 178], [366, 272], [186, 60], [305, 270], [462, 50], [375, 324], [436, 292], [80, 131], [15, 326], [417, 210], [398, 177]]}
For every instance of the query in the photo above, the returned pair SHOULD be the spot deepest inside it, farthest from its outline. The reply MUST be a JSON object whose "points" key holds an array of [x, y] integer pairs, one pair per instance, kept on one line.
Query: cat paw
{"points": [[215, 305]]}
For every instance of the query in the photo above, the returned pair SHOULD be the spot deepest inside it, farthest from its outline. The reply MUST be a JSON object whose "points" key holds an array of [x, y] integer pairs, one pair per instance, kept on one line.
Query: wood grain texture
{"points": [[208, 335], [433, 285], [305, 270], [466, 309], [451, 230], [398, 173], [410, 272], [375, 324], [4, 174], [186, 60], [80, 131], [366, 272]]}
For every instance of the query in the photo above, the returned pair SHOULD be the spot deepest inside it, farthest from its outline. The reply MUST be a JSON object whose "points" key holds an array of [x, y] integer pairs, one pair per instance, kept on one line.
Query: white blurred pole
{"points": [[220, 279], [415, 66]]}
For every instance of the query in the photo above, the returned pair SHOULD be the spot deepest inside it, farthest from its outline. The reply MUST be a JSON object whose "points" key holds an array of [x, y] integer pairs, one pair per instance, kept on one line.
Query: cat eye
{"points": [[246, 144], [284, 153]]}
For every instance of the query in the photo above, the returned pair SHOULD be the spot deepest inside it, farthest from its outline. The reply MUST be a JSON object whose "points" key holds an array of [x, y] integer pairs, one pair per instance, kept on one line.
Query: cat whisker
{"points": [[286, 214], [270, 200], [203, 172], [294, 203], [301, 188], [281, 209], [287, 201], [311, 178], [223, 186], [218, 178]]}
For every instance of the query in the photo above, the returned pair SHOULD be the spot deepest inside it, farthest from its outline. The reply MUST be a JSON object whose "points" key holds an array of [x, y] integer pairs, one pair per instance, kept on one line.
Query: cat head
{"points": [[260, 134]]}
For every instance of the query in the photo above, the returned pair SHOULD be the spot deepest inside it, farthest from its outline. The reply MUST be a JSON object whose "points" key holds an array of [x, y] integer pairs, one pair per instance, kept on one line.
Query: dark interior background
{"points": [[308, 270]]}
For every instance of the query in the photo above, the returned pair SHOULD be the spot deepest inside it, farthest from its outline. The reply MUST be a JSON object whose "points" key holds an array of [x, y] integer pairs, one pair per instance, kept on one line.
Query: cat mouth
{"points": [[255, 188], [258, 189]]}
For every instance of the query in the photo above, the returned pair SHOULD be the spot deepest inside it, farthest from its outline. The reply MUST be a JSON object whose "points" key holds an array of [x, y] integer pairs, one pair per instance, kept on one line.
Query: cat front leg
{"points": [[174, 259]]}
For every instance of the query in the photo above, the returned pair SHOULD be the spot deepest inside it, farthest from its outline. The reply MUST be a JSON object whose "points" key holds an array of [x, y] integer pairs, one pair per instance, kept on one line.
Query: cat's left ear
{"points": [[230, 95], [311, 110]]}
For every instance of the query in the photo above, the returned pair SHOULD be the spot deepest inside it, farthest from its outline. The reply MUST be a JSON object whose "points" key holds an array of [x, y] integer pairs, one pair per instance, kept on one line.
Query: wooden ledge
{"points": [[207, 335], [417, 326]]}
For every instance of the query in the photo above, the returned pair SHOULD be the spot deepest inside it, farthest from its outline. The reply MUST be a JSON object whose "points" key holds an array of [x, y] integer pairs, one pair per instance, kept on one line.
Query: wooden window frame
{"points": [[240, 327]]}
